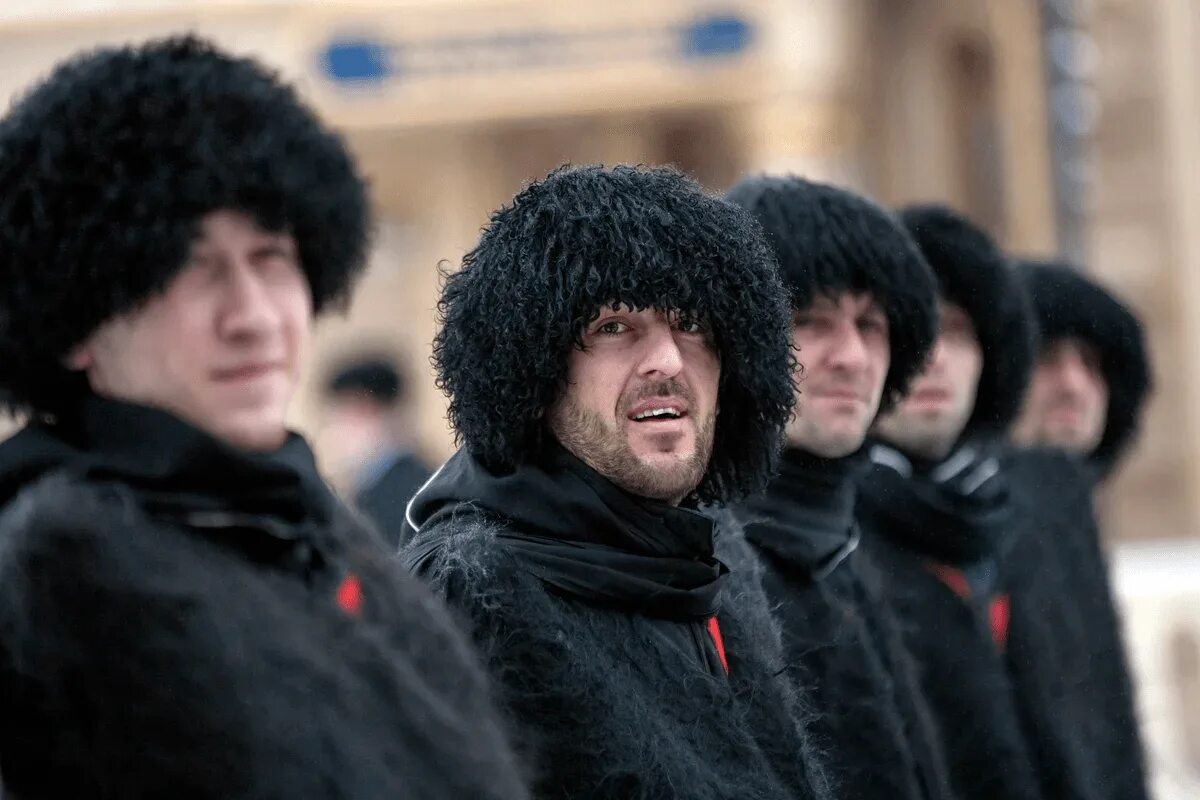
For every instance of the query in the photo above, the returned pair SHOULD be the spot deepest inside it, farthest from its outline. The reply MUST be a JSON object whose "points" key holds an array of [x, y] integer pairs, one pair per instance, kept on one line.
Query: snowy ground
{"points": [[1158, 586]]}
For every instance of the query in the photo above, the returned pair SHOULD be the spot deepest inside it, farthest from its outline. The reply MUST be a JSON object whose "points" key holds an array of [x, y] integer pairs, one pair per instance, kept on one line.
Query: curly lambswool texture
{"points": [[828, 241], [588, 237], [974, 274], [604, 709], [108, 166], [1069, 305]]}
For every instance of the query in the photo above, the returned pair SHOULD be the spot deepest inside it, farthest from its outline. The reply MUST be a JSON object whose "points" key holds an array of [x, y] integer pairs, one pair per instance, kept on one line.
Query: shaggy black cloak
{"points": [[632, 663], [1069, 305], [109, 165], [1066, 649], [937, 545], [1067, 652], [180, 619], [939, 532], [841, 642], [841, 639]]}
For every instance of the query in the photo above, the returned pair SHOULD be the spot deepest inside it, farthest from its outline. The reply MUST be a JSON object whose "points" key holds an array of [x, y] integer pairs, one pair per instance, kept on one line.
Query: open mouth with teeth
{"points": [[657, 414]]}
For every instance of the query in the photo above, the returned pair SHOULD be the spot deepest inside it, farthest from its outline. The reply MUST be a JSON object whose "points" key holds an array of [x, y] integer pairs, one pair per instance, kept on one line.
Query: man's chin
{"points": [[255, 430], [841, 447], [664, 476], [1070, 439]]}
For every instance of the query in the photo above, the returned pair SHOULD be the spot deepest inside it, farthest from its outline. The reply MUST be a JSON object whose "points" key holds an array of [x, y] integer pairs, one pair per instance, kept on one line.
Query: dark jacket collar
{"points": [[580, 533], [169, 462], [806, 516], [957, 510]]}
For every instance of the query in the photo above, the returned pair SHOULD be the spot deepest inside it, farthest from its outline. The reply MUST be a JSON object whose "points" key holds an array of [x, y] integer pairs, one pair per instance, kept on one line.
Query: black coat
{"points": [[1066, 652], [384, 498], [952, 633], [180, 619], [841, 640], [615, 691]]}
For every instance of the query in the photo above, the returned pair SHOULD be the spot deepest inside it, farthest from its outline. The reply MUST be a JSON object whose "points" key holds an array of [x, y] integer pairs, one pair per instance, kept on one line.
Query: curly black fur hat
{"points": [[109, 164], [1068, 304], [829, 240], [586, 237], [973, 273]]}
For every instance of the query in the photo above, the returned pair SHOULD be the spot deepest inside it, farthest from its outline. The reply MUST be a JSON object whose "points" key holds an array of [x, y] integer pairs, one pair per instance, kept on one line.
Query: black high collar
{"points": [[170, 461], [957, 510], [581, 534], [806, 516]]}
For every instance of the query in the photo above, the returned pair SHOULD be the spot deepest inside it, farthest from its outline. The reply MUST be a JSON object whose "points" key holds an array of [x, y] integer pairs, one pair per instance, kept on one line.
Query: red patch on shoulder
{"points": [[953, 578], [349, 595], [999, 613], [714, 630]]}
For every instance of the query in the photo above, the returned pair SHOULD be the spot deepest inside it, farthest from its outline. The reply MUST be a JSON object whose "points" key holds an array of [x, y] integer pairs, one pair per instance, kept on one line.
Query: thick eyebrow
{"points": [[279, 244]]}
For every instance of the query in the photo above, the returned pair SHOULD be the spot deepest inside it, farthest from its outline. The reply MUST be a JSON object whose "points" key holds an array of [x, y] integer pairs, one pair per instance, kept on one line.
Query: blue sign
{"points": [[360, 60], [357, 61], [715, 37]]}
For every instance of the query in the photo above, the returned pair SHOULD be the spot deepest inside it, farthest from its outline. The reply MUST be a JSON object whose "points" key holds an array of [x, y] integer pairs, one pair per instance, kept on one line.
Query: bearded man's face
{"points": [[640, 405]]}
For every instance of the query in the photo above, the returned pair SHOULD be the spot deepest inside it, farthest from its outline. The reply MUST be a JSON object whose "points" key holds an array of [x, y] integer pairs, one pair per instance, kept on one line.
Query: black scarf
{"points": [[263, 503], [583, 536], [956, 511], [806, 516]]}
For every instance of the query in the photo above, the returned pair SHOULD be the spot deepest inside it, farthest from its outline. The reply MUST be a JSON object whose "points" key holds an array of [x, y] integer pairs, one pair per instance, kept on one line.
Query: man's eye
{"points": [[814, 322], [612, 328], [688, 324], [274, 251]]}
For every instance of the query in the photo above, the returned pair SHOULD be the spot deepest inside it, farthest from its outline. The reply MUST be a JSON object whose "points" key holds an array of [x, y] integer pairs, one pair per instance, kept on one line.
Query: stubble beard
{"points": [[588, 436]]}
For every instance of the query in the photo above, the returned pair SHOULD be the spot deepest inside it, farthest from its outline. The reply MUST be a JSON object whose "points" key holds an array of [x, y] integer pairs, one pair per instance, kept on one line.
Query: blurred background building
{"points": [[1064, 126]]}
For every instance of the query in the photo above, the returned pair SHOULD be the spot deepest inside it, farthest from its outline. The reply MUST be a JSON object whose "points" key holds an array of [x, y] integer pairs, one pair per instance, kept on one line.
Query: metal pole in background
{"points": [[1071, 58]]}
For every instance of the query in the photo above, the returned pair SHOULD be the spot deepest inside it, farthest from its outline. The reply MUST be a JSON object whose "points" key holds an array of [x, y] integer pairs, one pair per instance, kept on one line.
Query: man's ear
{"points": [[80, 359]]}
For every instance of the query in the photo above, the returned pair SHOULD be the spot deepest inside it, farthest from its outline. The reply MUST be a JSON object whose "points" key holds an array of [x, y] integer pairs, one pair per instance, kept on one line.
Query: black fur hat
{"points": [[829, 240], [974, 274], [109, 164], [1068, 304], [586, 237]]}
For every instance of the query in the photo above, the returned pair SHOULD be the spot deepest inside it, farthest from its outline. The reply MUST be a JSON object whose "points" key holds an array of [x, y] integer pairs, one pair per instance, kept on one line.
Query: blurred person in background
{"points": [[617, 355], [1080, 414], [367, 438], [185, 609], [1092, 376], [864, 317], [937, 511]]}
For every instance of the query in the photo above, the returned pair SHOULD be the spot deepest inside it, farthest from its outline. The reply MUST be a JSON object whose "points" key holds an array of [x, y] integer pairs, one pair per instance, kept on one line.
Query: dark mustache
{"points": [[667, 388]]}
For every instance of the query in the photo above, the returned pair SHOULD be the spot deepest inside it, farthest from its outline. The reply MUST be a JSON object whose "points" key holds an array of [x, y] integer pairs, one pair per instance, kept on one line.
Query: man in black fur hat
{"points": [[616, 353], [937, 511], [1092, 375], [185, 610], [864, 315], [1086, 396]]}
